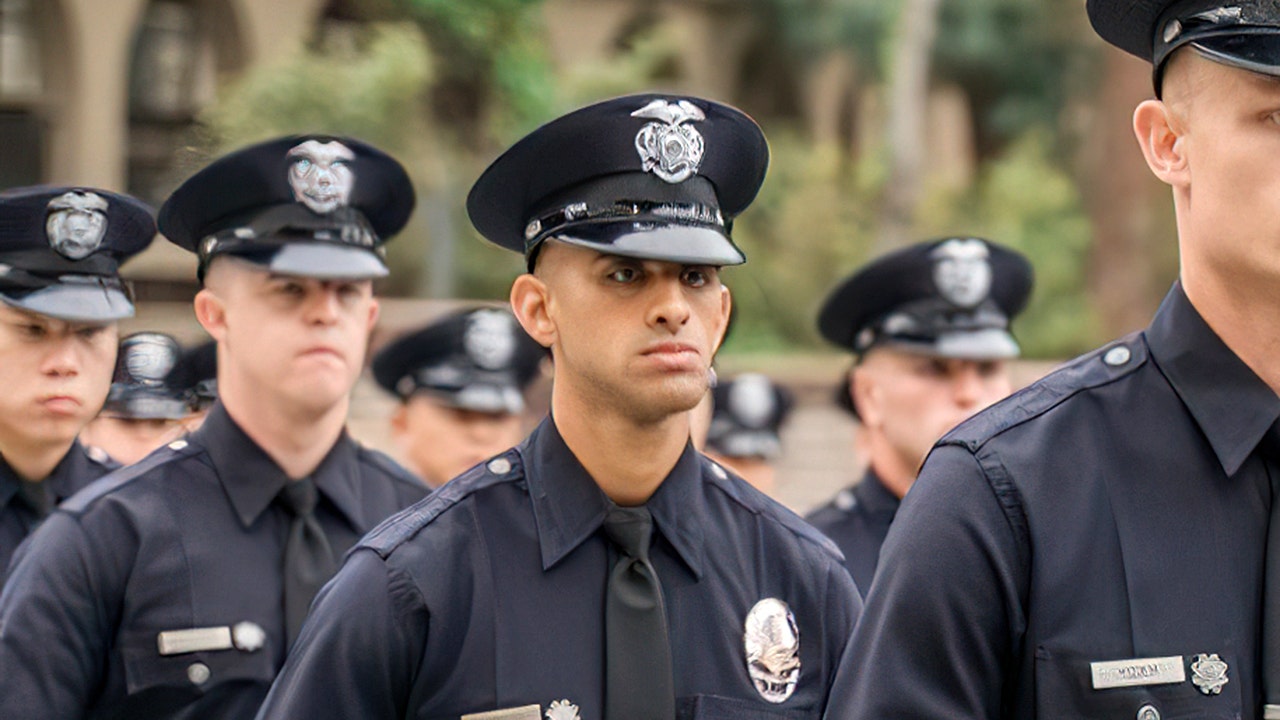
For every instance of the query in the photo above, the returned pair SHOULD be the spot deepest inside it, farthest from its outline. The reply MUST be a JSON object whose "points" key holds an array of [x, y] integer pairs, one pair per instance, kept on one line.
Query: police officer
{"points": [[460, 382], [602, 568], [144, 410], [174, 587], [1096, 545], [746, 418], [60, 298], [929, 329]]}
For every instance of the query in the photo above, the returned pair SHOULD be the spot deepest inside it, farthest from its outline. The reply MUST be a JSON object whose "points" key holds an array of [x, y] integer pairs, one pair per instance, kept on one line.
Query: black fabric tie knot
{"points": [[639, 684], [308, 558]]}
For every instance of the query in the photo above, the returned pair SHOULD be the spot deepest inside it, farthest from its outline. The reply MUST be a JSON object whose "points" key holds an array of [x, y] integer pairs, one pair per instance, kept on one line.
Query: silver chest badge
{"points": [[76, 224], [320, 175], [751, 400], [1209, 673], [670, 149], [772, 643], [489, 338], [562, 710], [962, 272]]}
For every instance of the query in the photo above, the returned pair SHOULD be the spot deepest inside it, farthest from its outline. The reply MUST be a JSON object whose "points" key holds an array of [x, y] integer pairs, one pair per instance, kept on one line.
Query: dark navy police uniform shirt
{"points": [[189, 538], [489, 595], [1114, 511], [18, 516], [857, 520]]}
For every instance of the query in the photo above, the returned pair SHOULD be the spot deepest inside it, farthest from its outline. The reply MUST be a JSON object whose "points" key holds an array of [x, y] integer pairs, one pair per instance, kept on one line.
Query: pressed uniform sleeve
{"points": [[56, 616], [359, 650], [943, 614]]}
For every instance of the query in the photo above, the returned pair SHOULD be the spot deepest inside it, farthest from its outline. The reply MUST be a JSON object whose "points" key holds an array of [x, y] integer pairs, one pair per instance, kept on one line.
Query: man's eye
{"points": [[32, 331], [696, 277], [624, 275]]}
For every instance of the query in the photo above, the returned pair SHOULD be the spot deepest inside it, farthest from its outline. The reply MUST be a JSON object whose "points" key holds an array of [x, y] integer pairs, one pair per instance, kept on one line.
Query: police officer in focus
{"points": [[743, 434], [603, 568], [174, 587], [144, 409], [928, 326], [60, 298], [460, 382], [1105, 543]]}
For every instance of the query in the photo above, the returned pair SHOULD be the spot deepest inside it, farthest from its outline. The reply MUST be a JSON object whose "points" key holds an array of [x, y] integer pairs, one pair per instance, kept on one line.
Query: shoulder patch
{"points": [[761, 504], [1097, 368], [112, 481], [402, 526]]}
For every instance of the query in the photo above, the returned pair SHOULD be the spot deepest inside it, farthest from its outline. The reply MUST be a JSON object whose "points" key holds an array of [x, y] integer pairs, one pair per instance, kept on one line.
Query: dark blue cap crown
{"points": [[748, 413], [647, 176], [311, 205]]}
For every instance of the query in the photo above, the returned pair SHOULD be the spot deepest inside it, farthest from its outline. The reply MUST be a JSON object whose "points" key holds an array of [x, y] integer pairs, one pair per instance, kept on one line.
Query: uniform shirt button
{"points": [[1148, 712], [499, 466], [845, 500], [719, 471], [198, 673], [1117, 355], [177, 444]]}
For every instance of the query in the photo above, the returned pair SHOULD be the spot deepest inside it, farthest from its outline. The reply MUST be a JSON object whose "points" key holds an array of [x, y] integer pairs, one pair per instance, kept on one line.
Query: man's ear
{"points": [[211, 312], [726, 311], [864, 391], [531, 304], [1162, 136]]}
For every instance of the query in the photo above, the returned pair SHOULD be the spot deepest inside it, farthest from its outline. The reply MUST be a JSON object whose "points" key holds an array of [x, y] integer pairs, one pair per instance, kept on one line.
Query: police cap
{"points": [[61, 249], [651, 176], [306, 205], [141, 387], [478, 359], [1239, 33], [748, 413]]}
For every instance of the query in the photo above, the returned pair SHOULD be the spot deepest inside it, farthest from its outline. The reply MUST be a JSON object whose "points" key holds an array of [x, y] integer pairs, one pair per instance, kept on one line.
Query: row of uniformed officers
{"points": [[1095, 546]]}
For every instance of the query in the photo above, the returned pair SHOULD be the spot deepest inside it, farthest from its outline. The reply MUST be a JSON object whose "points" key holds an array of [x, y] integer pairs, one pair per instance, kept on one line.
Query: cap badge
{"points": [[489, 339], [76, 224], [670, 149], [320, 175], [562, 710], [751, 400], [772, 643], [149, 362], [962, 272]]}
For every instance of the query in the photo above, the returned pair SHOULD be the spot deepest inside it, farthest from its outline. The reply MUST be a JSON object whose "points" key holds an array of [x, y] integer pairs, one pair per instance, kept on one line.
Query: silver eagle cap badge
{"points": [[962, 271], [320, 175], [76, 224], [772, 643], [670, 149]]}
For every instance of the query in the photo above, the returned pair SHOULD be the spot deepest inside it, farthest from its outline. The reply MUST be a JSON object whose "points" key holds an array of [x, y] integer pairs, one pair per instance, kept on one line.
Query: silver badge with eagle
{"points": [[490, 339], [962, 271], [76, 224], [670, 148], [772, 642], [320, 175]]}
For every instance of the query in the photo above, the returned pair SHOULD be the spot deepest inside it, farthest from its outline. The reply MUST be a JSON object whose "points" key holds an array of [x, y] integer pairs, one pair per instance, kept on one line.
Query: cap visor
{"points": [[685, 244], [491, 399], [969, 345], [748, 443], [322, 260], [1257, 51], [147, 407], [76, 303]]}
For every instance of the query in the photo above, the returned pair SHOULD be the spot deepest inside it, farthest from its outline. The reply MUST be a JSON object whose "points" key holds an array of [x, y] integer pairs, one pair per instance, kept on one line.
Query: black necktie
{"points": [[1271, 588], [36, 497], [308, 559], [638, 676]]}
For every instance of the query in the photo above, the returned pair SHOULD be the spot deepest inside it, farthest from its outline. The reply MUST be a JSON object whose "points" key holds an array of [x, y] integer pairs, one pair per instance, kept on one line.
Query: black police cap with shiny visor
{"points": [[142, 387], [306, 205], [1243, 34], [61, 248], [650, 176]]}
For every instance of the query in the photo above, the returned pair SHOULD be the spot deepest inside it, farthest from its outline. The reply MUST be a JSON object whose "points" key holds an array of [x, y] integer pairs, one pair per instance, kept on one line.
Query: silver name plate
{"points": [[1138, 671], [526, 712], [177, 642]]}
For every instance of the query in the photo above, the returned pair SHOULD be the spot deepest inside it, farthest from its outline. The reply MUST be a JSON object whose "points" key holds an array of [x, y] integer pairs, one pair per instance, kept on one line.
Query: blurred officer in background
{"points": [[60, 297], [1105, 543], [173, 588], [747, 415], [929, 329], [197, 373], [143, 410], [461, 383], [603, 568]]}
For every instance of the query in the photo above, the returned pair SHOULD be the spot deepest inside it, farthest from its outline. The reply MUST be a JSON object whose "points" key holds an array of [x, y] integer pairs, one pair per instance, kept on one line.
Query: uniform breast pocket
{"points": [[146, 670], [714, 707], [1136, 688]]}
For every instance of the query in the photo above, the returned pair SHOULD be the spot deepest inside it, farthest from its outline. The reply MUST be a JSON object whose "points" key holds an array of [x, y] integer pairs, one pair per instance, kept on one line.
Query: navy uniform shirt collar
{"points": [[252, 479], [873, 496], [568, 506], [1233, 406], [61, 480]]}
